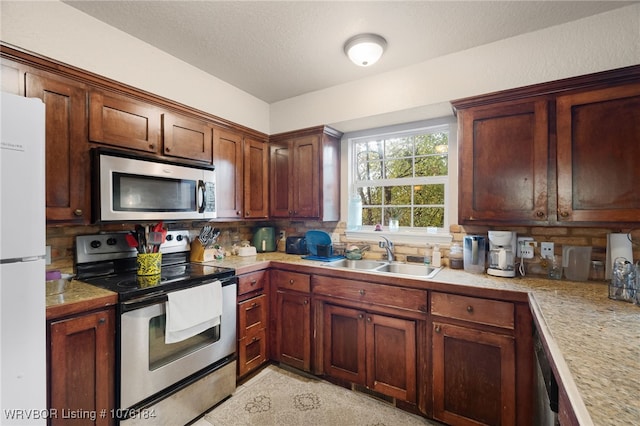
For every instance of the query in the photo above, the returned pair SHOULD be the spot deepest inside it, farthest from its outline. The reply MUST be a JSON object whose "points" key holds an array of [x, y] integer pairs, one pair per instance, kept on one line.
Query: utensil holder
{"points": [[199, 253], [149, 263]]}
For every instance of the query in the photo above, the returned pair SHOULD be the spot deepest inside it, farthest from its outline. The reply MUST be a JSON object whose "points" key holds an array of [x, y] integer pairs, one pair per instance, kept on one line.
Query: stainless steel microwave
{"points": [[134, 188]]}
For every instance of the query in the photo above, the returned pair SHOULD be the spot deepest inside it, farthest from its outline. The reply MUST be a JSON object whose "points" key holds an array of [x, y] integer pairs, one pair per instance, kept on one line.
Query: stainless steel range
{"points": [[161, 381]]}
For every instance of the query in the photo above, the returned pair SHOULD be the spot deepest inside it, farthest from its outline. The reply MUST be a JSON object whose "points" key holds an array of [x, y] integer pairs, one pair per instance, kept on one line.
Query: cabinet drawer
{"points": [[252, 282], [252, 314], [252, 351], [286, 280], [379, 294], [481, 311]]}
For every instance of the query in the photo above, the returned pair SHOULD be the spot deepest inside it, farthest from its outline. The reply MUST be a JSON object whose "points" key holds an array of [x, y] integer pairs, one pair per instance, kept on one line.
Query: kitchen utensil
{"points": [[155, 239], [132, 241], [315, 237], [142, 239], [576, 262], [474, 251]]}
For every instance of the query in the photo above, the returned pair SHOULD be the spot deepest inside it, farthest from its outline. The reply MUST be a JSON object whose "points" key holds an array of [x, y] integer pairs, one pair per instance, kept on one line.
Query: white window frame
{"points": [[405, 235]]}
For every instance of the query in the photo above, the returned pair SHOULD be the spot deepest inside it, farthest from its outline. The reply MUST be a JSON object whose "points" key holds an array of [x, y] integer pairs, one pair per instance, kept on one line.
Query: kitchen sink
{"points": [[391, 268], [357, 264]]}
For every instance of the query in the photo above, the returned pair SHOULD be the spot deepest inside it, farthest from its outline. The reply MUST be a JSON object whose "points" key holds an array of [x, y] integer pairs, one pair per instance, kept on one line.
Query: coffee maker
{"points": [[502, 248]]}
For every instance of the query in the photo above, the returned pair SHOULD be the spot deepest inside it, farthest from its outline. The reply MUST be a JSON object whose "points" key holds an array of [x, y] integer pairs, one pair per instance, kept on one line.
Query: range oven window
{"points": [[152, 194], [161, 353]]}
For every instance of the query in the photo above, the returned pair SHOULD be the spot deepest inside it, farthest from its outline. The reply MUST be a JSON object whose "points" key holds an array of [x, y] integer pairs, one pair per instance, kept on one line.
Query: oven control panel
{"points": [[109, 246]]}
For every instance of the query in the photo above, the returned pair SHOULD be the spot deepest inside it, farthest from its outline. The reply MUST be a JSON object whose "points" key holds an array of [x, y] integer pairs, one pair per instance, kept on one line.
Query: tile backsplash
{"points": [[62, 238]]}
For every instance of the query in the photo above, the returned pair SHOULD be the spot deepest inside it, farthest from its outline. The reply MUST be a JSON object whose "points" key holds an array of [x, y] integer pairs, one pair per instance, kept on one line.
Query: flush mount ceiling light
{"points": [[365, 49]]}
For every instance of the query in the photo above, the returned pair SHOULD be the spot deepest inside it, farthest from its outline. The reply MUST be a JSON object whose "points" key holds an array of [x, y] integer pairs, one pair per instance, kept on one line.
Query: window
{"points": [[404, 175]]}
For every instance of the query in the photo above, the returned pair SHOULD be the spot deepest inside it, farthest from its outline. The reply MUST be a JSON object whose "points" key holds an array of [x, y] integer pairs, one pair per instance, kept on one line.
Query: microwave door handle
{"points": [[201, 196]]}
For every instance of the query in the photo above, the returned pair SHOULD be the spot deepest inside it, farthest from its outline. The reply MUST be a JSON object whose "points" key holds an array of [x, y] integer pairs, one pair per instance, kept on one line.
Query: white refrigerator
{"points": [[23, 380]]}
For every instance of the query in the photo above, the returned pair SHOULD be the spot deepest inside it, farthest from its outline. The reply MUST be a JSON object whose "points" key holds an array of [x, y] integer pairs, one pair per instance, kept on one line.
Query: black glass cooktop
{"points": [[172, 277]]}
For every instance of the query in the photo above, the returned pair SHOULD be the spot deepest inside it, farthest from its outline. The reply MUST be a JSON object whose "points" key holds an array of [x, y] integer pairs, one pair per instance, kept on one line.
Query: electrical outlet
{"points": [[546, 250], [525, 247]]}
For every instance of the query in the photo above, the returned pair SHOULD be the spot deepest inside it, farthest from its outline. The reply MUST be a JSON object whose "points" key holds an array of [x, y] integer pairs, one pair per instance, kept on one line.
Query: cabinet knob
{"points": [[254, 282], [255, 339], [102, 321], [238, 213], [306, 301], [167, 149], [564, 214], [437, 328], [291, 281], [470, 309], [248, 213], [360, 316], [540, 213], [78, 212], [368, 319], [152, 147], [361, 292], [253, 305]]}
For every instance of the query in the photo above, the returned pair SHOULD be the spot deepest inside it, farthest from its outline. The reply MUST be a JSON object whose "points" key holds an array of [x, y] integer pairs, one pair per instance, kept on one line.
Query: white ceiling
{"points": [[276, 50]]}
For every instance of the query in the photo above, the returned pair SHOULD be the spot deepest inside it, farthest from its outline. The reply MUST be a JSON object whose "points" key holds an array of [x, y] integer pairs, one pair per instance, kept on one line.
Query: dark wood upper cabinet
{"points": [[227, 159], [598, 154], [504, 162], [559, 153], [305, 174], [122, 121], [186, 138], [256, 179], [67, 150]]}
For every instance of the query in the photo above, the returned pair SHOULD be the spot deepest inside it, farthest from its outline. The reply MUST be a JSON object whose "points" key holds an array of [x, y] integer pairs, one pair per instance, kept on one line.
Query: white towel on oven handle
{"points": [[192, 311]]}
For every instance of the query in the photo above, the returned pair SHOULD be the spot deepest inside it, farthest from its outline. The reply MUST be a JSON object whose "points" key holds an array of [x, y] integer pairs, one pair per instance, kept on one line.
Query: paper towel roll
{"points": [[618, 245]]}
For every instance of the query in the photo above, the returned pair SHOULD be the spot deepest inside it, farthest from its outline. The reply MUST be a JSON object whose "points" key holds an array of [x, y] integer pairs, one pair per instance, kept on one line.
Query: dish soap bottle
{"points": [[354, 218], [436, 257]]}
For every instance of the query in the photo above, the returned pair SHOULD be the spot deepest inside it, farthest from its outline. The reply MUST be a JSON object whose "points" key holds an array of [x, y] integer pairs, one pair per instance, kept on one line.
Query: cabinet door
{"points": [[473, 376], [82, 356], [256, 179], [598, 152], [124, 122], [293, 334], [503, 163], [227, 159], [280, 200], [344, 343], [391, 356], [252, 315], [186, 138], [67, 149], [305, 183]]}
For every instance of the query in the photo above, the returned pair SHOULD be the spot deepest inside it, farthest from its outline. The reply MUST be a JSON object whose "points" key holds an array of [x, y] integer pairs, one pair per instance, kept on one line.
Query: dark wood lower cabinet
{"points": [[374, 350], [81, 368], [293, 331], [474, 376]]}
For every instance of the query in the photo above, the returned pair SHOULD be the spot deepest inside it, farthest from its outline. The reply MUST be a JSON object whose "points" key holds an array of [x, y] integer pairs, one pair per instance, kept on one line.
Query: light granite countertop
{"points": [[594, 341]]}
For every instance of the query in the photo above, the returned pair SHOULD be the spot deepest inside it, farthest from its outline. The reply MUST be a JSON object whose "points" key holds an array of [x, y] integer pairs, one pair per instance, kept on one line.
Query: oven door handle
{"points": [[141, 302]]}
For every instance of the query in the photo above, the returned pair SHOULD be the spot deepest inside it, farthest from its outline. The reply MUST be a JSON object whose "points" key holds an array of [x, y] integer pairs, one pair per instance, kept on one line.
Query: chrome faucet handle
{"points": [[388, 245]]}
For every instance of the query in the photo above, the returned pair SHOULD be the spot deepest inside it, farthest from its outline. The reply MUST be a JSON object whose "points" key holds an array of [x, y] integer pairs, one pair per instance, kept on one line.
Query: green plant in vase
{"points": [[394, 218]]}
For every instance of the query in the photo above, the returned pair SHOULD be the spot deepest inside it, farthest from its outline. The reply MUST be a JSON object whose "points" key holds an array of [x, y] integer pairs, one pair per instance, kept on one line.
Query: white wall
{"points": [[606, 41], [58, 31]]}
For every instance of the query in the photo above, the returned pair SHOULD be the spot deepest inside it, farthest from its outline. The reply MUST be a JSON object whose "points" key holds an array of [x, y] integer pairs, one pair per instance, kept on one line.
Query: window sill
{"points": [[400, 237]]}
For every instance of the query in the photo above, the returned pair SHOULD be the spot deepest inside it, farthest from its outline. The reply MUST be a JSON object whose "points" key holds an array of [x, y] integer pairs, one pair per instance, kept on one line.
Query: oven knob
{"points": [[169, 237], [95, 244], [112, 241], [179, 237]]}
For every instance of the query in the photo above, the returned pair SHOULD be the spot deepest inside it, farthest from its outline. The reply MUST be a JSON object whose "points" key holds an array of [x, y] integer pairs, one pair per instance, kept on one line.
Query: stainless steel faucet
{"points": [[388, 245]]}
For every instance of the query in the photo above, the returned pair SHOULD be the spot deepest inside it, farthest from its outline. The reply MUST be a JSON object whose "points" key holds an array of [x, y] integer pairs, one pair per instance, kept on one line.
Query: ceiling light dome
{"points": [[365, 49]]}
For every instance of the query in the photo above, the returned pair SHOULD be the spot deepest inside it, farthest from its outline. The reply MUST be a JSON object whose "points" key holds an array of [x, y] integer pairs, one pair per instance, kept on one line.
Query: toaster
{"points": [[296, 245]]}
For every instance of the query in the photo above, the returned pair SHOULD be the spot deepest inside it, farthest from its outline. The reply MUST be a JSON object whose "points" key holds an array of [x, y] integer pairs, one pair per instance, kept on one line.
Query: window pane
{"points": [[371, 216], [397, 195], [428, 216], [433, 165], [429, 194], [371, 195], [399, 168]]}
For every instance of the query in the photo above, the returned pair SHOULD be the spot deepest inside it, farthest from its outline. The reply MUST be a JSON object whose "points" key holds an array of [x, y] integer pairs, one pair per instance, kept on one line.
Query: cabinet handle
{"points": [[540, 213], [470, 309], [238, 213], [167, 149], [564, 214], [248, 213], [253, 306], [368, 319], [102, 321], [360, 316], [437, 329], [254, 282], [152, 146], [361, 292], [77, 212], [306, 302], [291, 281], [290, 213]]}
